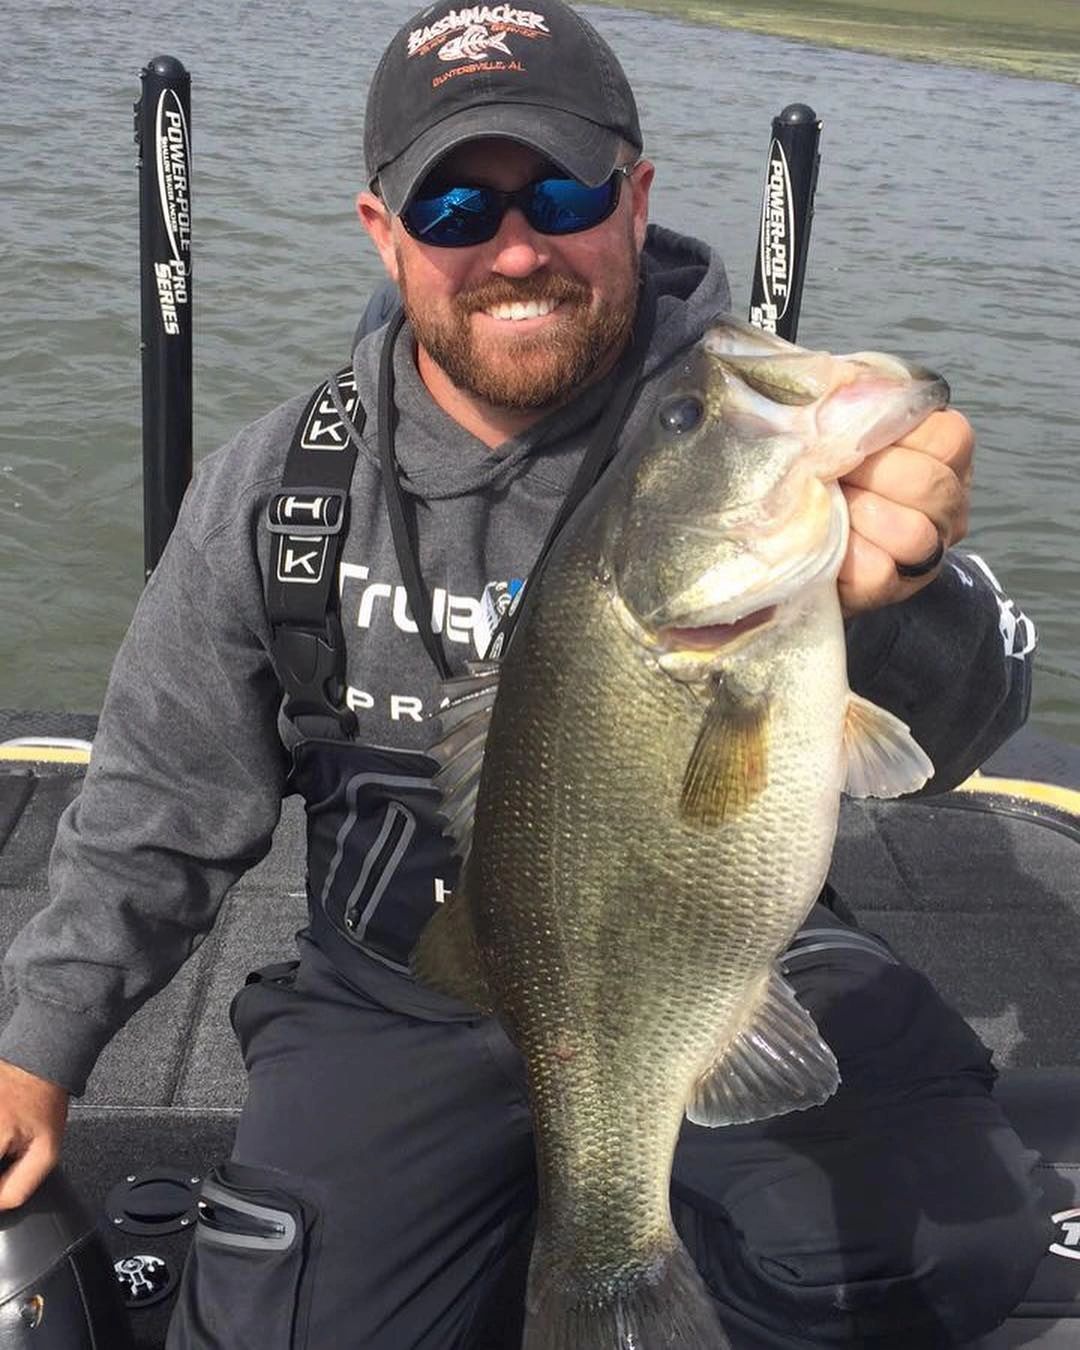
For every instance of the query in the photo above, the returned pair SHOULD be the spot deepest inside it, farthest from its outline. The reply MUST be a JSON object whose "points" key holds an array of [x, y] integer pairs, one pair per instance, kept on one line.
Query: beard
{"points": [[530, 371]]}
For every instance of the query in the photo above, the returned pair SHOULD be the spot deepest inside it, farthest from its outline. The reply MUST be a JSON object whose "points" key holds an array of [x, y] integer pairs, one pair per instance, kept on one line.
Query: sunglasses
{"points": [[458, 217]]}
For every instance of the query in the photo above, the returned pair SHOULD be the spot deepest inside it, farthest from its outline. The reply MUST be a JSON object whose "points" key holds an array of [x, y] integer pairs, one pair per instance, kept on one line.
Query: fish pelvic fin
{"points": [[883, 759], [664, 1305], [447, 955], [465, 718], [778, 1063], [728, 766]]}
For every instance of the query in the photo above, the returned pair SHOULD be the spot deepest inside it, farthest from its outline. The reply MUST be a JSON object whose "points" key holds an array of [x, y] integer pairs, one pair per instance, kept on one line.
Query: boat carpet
{"points": [[984, 897]]}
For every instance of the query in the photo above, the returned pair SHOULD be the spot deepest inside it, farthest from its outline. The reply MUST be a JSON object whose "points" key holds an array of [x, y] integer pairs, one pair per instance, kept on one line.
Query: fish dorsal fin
{"points": [[777, 1063], [728, 766], [883, 758], [447, 957], [465, 717]]}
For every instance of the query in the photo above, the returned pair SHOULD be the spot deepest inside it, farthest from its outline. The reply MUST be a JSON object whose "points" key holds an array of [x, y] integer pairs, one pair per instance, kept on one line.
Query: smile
{"points": [[523, 309]]}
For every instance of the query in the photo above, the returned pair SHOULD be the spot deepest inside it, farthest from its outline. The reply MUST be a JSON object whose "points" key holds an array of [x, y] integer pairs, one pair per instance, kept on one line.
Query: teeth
{"points": [[531, 309]]}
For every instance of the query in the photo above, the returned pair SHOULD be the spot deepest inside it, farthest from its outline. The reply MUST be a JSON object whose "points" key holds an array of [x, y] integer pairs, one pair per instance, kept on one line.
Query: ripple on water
{"points": [[939, 232]]}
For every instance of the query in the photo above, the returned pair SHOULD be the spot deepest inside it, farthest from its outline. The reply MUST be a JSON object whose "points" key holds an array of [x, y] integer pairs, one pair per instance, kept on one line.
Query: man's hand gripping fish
{"points": [[668, 736]]}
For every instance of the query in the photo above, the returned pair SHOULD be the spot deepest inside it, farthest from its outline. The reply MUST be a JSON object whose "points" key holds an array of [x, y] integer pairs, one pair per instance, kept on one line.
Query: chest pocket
{"points": [[381, 861]]}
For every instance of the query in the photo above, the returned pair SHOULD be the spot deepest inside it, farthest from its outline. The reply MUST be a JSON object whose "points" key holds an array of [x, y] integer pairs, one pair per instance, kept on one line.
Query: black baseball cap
{"points": [[457, 72]]}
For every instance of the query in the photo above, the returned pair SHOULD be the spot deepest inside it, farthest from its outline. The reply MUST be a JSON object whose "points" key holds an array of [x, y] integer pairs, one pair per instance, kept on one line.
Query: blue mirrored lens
{"points": [[563, 205], [458, 216], [461, 216]]}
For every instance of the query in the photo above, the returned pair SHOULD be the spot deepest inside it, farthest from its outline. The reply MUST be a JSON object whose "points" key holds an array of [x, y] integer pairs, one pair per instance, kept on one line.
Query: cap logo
{"points": [[478, 27], [473, 45]]}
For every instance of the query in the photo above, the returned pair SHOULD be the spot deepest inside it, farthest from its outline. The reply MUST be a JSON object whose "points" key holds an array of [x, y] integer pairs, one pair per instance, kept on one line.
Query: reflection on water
{"points": [[945, 227]]}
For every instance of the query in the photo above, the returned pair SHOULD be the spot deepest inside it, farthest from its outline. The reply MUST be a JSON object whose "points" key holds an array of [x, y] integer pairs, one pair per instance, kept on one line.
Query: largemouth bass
{"points": [[667, 739]]}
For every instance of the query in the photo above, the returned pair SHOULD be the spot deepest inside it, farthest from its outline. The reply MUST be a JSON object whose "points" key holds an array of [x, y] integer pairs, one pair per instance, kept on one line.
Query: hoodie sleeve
{"points": [[954, 662], [181, 796]]}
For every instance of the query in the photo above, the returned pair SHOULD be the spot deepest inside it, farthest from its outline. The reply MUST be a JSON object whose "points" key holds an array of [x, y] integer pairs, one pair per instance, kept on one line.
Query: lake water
{"points": [[947, 227]]}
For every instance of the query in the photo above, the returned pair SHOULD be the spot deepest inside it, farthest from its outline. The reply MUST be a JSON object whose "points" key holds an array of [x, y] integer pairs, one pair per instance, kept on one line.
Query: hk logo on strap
{"points": [[304, 520], [325, 430], [311, 511], [301, 560]]}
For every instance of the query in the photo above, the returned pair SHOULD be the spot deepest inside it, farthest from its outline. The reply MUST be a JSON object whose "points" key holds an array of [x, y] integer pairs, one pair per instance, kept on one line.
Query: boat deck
{"points": [[983, 895]]}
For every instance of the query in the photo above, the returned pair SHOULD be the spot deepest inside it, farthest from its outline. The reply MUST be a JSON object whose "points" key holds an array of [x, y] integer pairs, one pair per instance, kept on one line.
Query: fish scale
{"points": [[666, 991]]}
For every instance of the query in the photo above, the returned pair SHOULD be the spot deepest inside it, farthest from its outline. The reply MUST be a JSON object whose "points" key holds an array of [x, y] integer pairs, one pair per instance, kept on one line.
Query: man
{"points": [[381, 1183]]}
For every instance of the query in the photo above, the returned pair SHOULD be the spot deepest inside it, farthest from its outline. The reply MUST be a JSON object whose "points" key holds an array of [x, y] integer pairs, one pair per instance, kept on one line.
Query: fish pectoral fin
{"points": [[447, 956], [465, 717], [883, 758], [728, 765], [777, 1063]]}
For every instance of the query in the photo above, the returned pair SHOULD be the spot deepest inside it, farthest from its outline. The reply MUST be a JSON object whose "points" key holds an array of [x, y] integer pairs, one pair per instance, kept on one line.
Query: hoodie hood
{"points": [[437, 458], [691, 289]]}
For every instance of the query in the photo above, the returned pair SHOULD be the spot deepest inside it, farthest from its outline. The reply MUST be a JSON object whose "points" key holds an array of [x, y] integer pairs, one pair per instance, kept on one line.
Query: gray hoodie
{"points": [[190, 761]]}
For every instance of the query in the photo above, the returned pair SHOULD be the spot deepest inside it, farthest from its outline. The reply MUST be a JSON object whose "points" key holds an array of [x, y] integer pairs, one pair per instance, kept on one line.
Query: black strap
{"points": [[599, 454], [601, 449], [308, 519], [402, 519]]}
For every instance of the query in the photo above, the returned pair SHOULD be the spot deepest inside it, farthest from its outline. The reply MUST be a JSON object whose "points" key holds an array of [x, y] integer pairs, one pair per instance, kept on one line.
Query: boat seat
{"points": [[57, 1288]]}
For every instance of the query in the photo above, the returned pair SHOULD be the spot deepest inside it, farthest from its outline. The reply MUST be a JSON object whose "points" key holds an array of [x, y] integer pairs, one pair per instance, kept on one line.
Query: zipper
{"points": [[226, 1220], [221, 1218], [396, 821]]}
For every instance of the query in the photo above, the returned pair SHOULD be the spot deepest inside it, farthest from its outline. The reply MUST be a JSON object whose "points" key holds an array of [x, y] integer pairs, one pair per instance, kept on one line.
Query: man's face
{"points": [[458, 299]]}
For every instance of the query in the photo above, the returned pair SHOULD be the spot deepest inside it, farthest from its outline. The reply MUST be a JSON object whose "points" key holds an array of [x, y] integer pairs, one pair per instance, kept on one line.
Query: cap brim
{"points": [[583, 149]]}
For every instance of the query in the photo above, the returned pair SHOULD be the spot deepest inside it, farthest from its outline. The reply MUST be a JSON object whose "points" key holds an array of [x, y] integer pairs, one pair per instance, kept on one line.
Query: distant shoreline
{"points": [[983, 34]]}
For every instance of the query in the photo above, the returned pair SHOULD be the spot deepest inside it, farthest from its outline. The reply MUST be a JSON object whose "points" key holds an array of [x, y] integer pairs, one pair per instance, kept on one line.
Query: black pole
{"points": [[787, 209], [163, 135]]}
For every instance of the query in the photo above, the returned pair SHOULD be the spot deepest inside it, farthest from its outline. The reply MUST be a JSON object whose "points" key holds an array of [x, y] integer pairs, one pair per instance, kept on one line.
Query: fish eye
{"points": [[681, 414]]}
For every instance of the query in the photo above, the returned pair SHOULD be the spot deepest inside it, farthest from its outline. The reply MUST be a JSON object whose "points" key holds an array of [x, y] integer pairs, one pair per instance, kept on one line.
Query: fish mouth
{"points": [[710, 637]]}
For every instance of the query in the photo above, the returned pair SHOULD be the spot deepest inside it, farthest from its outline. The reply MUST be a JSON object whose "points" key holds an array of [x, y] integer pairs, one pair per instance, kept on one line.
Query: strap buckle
{"points": [[310, 666]]}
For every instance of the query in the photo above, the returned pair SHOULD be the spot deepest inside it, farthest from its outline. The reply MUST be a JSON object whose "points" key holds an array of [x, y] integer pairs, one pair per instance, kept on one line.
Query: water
{"points": [[946, 228]]}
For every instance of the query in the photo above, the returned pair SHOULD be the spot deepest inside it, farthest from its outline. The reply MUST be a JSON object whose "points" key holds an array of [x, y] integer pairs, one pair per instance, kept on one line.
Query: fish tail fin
{"points": [[665, 1307]]}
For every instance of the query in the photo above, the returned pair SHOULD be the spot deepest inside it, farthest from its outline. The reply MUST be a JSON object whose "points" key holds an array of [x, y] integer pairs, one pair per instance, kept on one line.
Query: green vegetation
{"points": [[1041, 39]]}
